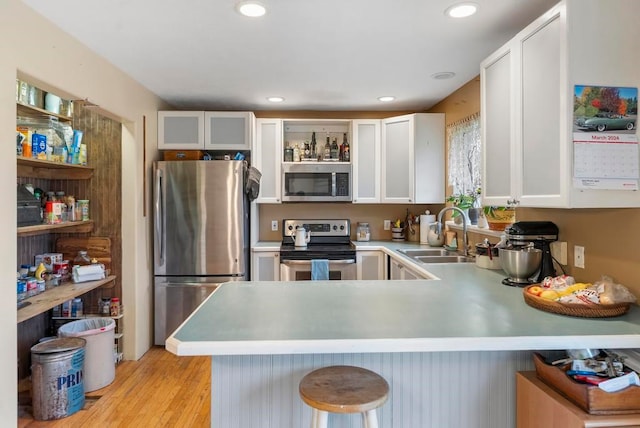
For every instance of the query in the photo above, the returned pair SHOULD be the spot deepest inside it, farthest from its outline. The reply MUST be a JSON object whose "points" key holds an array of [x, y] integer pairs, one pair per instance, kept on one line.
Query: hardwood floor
{"points": [[159, 390]]}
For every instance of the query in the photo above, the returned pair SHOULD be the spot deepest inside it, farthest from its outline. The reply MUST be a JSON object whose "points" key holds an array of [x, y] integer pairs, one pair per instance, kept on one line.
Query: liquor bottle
{"points": [[335, 150], [313, 146], [327, 149], [307, 150], [346, 154], [296, 153]]}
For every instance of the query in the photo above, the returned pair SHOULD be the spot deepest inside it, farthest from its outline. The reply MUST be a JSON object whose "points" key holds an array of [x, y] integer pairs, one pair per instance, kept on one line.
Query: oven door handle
{"points": [[308, 262]]}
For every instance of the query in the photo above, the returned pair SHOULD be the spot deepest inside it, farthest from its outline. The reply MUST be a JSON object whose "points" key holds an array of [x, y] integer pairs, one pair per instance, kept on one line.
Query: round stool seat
{"points": [[344, 389]]}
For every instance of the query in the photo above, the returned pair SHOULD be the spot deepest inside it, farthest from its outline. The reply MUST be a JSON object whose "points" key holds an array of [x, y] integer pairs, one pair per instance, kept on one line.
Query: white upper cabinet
{"points": [[267, 155], [366, 161], [180, 130], [527, 103], [413, 159], [228, 130], [200, 130]]}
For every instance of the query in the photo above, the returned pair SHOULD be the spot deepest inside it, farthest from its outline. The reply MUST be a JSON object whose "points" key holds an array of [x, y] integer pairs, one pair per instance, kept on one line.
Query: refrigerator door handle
{"points": [[159, 220]]}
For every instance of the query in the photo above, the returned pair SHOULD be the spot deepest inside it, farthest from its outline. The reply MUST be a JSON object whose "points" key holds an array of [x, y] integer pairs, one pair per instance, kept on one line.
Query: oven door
{"points": [[300, 270]]}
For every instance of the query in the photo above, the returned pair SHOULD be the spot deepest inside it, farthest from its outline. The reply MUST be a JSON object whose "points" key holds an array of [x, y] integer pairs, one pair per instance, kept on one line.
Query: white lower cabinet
{"points": [[265, 266], [371, 265], [401, 271]]}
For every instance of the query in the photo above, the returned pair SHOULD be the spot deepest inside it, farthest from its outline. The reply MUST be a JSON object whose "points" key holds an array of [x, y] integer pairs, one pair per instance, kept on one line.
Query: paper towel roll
{"points": [[425, 221]]}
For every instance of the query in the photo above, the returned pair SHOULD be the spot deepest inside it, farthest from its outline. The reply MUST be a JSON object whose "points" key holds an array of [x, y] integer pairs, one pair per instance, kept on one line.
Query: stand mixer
{"points": [[539, 233]]}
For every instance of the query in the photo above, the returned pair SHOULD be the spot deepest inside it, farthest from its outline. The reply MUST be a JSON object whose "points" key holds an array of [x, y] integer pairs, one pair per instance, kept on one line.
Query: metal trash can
{"points": [[57, 388], [99, 363]]}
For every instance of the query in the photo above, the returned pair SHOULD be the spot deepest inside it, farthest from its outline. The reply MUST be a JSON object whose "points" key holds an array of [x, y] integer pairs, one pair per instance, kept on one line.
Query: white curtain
{"points": [[464, 163]]}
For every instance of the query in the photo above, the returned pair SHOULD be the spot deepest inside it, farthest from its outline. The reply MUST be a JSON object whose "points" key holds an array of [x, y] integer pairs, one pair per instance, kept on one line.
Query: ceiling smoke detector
{"points": [[443, 75], [251, 9]]}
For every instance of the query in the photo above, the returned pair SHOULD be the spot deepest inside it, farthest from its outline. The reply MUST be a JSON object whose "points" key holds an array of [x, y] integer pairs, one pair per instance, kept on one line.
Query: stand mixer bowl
{"points": [[520, 264]]}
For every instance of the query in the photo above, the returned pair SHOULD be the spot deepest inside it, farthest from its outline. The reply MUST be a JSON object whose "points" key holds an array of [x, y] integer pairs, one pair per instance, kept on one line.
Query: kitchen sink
{"points": [[428, 252], [444, 259], [433, 255]]}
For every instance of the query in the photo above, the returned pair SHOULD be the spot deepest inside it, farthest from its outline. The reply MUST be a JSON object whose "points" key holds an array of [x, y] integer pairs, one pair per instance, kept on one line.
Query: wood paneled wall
{"points": [[103, 137]]}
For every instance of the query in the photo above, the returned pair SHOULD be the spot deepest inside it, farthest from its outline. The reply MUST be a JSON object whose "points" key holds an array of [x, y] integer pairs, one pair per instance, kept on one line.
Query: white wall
{"points": [[33, 48]]}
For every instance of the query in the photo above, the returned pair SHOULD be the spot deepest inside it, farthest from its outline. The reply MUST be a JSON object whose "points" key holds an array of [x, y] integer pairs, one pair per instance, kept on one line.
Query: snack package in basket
{"points": [[611, 292]]}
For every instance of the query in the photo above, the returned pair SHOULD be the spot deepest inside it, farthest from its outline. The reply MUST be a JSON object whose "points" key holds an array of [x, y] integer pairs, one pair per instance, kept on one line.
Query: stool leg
{"points": [[370, 419], [319, 418]]}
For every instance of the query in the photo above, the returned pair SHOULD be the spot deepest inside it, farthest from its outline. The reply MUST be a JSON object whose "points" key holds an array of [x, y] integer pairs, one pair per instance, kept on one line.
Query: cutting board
{"points": [[96, 246]]}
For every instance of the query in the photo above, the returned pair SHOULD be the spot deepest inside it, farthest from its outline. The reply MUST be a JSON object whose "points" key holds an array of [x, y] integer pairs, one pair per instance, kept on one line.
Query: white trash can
{"points": [[99, 363]]}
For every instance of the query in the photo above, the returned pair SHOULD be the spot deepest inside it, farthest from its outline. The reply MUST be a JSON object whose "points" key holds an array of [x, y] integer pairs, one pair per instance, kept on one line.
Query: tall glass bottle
{"points": [[335, 150], [327, 149], [313, 146], [346, 150]]}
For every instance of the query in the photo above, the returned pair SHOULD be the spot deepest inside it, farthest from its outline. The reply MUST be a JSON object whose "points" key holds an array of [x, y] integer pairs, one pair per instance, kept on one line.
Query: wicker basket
{"points": [[574, 309]]}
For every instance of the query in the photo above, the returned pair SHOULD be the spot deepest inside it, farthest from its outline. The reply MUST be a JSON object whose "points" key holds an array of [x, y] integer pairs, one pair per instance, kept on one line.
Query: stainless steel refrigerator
{"points": [[201, 235]]}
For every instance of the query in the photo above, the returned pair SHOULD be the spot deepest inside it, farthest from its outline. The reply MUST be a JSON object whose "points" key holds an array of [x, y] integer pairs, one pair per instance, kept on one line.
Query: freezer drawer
{"points": [[175, 299]]}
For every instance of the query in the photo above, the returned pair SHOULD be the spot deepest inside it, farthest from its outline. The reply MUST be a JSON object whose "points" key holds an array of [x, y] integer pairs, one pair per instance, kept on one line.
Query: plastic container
{"points": [[99, 365], [363, 233]]}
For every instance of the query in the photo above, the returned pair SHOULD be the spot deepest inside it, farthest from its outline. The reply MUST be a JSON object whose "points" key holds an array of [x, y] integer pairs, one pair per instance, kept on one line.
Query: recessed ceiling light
{"points": [[461, 10], [386, 99], [275, 99], [443, 75], [251, 8]]}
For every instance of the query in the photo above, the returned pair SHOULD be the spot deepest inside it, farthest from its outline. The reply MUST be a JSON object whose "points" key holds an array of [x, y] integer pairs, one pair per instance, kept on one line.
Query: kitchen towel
{"points": [[319, 269]]}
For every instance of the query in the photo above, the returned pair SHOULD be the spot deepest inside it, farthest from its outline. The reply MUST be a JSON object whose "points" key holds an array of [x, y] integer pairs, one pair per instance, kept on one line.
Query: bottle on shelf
{"points": [[313, 146], [288, 153], [335, 150], [346, 150], [307, 150], [327, 149], [296, 153]]}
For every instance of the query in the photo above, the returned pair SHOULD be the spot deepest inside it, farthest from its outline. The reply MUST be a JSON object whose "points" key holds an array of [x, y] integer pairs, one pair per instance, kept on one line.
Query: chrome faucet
{"points": [[464, 225]]}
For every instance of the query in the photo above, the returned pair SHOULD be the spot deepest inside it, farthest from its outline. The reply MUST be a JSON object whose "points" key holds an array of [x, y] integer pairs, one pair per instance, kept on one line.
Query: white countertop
{"points": [[467, 309]]}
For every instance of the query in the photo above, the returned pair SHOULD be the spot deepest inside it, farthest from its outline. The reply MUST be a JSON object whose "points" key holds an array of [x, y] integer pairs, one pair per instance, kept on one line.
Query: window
{"points": [[464, 155]]}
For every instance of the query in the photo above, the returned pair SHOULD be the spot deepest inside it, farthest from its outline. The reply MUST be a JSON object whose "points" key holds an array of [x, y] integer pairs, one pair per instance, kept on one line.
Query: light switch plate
{"points": [[274, 225], [387, 225], [578, 256]]}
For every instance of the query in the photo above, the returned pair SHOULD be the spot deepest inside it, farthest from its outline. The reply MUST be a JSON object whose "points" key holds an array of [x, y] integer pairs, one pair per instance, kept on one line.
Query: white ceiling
{"points": [[317, 54]]}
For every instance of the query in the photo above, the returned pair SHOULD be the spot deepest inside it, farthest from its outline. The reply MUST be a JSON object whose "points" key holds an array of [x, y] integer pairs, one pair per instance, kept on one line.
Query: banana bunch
{"points": [[575, 287]]}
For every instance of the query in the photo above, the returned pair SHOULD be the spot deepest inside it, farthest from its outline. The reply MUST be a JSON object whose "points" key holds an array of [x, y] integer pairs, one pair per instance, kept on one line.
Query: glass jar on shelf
{"points": [[82, 259]]}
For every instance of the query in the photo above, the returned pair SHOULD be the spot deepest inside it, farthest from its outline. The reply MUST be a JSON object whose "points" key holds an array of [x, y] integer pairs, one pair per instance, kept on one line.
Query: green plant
{"points": [[464, 201]]}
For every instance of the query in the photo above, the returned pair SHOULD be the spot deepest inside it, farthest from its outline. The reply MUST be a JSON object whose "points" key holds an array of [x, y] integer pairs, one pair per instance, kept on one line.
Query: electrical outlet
{"points": [[578, 256], [559, 252], [387, 225], [274, 225]]}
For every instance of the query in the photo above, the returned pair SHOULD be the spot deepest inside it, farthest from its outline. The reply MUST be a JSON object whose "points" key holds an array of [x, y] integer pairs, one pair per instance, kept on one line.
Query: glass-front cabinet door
{"points": [[228, 130]]}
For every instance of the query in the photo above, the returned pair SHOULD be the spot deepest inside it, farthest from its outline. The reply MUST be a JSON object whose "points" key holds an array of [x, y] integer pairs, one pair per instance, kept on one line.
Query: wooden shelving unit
{"points": [[37, 112], [28, 167], [57, 295], [68, 227]]}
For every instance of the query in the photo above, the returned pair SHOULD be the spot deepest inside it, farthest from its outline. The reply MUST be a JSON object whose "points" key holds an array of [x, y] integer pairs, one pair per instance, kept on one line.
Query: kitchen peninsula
{"points": [[448, 347]]}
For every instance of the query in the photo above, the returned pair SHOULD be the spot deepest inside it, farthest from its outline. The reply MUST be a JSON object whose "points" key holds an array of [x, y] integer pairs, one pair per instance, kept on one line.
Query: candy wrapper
{"points": [[586, 296]]}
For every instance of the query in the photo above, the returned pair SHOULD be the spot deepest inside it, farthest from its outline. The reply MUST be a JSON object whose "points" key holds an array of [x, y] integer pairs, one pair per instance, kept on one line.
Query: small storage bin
{"points": [[589, 397]]}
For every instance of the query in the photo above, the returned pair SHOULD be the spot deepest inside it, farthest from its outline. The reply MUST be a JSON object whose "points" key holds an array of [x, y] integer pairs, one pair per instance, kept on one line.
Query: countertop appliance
{"points": [[328, 240], [316, 182], [201, 235], [540, 234]]}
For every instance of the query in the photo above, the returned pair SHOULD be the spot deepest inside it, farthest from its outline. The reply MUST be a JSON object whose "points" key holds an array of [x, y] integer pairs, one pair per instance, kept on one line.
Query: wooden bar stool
{"points": [[343, 389]]}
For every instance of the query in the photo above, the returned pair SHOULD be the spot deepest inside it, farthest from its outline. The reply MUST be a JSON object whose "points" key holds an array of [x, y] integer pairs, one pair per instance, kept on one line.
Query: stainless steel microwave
{"points": [[316, 182]]}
